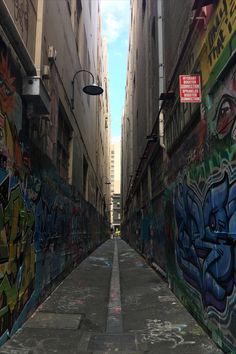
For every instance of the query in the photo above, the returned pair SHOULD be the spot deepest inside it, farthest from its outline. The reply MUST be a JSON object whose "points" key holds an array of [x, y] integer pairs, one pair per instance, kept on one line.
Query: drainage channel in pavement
{"points": [[114, 340], [114, 318]]}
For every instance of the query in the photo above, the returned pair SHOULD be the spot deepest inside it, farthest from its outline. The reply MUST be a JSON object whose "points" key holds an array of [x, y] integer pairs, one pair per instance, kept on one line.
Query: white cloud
{"points": [[115, 18]]}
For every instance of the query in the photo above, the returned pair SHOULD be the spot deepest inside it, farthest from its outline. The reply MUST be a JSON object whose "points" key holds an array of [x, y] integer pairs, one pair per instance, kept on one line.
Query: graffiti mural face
{"points": [[225, 116], [225, 111]]}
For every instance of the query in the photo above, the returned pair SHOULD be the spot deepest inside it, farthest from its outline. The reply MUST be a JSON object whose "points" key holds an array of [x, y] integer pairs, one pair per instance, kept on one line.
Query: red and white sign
{"points": [[190, 88]]}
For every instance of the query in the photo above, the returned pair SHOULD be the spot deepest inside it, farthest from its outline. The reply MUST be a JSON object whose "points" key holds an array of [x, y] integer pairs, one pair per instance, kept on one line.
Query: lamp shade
{"points": [[93, 90]]}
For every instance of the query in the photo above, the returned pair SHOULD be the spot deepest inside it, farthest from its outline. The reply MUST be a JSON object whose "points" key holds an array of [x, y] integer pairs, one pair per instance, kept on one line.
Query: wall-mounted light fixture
{"points": [[91, 89], [107, 181]]}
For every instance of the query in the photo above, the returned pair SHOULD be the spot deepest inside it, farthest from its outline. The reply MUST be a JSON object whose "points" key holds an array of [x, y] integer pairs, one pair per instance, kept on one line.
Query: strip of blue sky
{"points": [[115, 25]]}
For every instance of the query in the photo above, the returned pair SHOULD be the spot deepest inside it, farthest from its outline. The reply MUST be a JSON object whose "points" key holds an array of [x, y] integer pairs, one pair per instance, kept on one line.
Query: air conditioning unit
{"points": [[52, 53], [35, 92], [46, 72]]}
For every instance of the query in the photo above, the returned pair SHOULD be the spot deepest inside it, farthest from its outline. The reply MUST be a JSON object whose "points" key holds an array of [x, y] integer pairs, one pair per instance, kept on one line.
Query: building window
{"points": [[182, 116], [85, 178], [154, 28], [157, 174], [79, 27], [144, 190], [89, 8], [64, 134], [144, 7], [69, 6]]}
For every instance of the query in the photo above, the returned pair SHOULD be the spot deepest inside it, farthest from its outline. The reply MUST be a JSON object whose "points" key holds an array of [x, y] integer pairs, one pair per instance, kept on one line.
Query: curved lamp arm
{"points": [[91, 89], [73, 84], [79, 71]]}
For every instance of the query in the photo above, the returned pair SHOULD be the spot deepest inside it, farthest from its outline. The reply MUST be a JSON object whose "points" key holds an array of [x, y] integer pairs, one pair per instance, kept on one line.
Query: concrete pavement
{"points": [[113, 302]]}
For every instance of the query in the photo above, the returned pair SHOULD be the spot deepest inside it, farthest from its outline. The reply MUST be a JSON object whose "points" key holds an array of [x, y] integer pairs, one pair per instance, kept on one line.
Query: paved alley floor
{"points": [[113, 302]]}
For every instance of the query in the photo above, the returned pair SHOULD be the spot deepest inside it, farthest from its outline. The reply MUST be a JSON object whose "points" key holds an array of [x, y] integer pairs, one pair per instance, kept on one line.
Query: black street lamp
{"points": [[107, 180], [91, 89]]}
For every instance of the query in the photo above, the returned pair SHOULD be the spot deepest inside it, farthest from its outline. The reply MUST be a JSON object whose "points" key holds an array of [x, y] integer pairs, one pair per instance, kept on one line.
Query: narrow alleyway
{"points": [[113, 302]]}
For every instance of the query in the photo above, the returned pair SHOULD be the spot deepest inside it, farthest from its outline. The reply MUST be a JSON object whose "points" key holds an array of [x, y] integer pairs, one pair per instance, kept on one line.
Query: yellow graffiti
{"points": [[221, 28], [17, 227], [17, 256]]}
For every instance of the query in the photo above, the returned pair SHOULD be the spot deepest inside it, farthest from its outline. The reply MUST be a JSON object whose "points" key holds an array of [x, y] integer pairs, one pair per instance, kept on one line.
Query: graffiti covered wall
{"points": [[191, 231], [204, 203], [44, 229]]}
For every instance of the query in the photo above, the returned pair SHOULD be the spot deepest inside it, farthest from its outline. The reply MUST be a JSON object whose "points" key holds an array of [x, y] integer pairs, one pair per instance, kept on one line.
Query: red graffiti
{"points": [[7, 88]]}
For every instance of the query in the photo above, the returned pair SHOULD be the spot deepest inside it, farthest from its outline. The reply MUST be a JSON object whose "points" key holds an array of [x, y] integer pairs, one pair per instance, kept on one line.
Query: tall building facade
{"points": [[178, 159], [54, 147], [107, 136], [115, 184]]}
